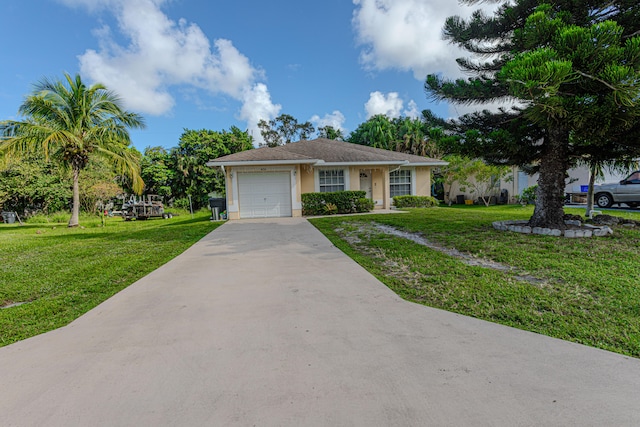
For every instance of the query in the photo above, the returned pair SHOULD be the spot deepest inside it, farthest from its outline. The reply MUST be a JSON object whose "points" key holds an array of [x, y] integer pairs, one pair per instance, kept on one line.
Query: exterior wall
{"points": [[422, 181], [307, 179], [354, 178], [380, 187]]}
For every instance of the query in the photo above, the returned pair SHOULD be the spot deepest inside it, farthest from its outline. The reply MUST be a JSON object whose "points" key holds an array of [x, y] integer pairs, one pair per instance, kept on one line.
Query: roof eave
{"points": [[386, 163], [375, 163], [434, 163], [213, 163]]}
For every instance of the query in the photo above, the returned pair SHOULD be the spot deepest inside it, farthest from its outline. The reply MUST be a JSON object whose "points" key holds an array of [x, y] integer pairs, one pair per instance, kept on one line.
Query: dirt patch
{"points": [[9, 304], [367, 229]]}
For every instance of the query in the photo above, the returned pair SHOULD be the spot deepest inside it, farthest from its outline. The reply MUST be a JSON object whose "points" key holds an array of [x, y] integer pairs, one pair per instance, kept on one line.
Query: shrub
{"points": [[364, 205], [528, 195], [60, 217], [330, 208], [415, 201], [182, 203], [344, 201]]}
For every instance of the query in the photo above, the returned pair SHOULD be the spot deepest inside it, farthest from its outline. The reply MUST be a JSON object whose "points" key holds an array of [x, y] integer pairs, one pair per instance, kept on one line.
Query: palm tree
{"points": [[69, 123]]}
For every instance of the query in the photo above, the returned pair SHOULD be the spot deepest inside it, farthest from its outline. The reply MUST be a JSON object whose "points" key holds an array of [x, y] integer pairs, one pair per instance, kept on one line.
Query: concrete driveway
{"points": [[265, 323]]}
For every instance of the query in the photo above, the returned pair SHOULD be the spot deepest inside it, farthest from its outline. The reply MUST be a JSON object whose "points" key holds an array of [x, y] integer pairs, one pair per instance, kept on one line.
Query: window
{"points": [[400, 183], [331, 180]]}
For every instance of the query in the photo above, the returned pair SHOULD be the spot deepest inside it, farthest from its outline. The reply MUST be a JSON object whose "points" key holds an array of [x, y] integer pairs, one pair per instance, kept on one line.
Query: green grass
{"points": [[587, 290], [62, 273]]}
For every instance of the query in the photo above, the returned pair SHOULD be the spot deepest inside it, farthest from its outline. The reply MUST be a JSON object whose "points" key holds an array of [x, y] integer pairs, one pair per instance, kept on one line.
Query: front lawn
{"points": [[60, 273], [582, 290]]}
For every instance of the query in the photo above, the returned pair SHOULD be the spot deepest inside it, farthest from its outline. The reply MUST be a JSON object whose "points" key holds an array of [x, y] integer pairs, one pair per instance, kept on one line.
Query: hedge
{"points": [[415, 201], [344, 202]]}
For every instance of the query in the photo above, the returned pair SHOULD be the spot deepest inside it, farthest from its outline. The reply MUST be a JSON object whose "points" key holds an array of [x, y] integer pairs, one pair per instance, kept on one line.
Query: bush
{"points": [[364, 205], [415, 201], [60, 217], [344, 201], [528, 195], [182, 203]]}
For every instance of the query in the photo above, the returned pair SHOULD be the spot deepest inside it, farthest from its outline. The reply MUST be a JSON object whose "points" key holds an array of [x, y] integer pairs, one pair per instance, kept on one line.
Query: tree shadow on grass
{"points": [[168, 230]]}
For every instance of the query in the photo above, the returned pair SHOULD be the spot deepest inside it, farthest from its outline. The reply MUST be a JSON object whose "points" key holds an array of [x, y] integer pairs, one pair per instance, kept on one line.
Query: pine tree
{"points": [[575, 68]]}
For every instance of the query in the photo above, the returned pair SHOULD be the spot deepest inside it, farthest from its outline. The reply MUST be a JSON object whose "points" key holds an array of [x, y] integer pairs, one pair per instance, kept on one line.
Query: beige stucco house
{"points": [[269, 181]]}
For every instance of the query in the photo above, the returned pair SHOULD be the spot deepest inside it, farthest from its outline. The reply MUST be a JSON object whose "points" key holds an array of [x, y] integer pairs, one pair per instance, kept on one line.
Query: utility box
{"points": [[218, 202]]}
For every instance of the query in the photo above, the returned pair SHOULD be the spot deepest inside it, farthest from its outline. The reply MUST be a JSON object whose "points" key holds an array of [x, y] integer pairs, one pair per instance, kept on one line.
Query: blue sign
{"points": [[584, 188]]}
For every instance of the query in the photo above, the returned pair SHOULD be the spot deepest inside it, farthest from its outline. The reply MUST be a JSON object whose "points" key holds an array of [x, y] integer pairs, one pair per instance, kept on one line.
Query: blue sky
{"points": [[215, 64]]}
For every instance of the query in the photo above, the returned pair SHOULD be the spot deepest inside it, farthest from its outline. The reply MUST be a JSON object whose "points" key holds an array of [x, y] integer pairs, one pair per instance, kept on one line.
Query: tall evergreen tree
{"points": [[573, 65]]}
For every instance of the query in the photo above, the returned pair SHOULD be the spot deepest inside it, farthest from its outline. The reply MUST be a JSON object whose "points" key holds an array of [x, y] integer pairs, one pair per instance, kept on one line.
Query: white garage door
{"points": [[264, 195]]}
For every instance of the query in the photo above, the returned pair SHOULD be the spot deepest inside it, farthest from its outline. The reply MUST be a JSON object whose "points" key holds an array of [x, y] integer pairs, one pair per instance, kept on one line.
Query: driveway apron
{"points": [[265, 323]]}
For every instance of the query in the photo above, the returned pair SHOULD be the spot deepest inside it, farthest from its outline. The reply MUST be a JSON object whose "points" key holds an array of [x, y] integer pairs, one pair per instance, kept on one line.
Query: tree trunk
{"points": [[75, 208], [549, 211], [592, 180]]}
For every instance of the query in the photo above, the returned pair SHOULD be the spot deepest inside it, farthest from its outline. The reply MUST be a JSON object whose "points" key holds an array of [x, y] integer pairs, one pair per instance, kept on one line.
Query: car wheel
{"points": [[604, 200]]}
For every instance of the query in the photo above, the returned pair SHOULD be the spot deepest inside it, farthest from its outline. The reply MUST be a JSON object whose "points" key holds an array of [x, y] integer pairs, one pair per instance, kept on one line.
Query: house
{"points": [[576, 184], [268, 182]]}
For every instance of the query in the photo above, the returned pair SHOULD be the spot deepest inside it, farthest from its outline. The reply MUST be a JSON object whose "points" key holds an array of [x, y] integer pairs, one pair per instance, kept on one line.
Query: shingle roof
{"points": [[323, 151]]}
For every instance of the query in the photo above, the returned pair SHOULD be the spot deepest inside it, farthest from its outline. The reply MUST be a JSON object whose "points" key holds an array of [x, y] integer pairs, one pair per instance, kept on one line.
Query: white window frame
{"points": [[403, 178], [345, 177]]}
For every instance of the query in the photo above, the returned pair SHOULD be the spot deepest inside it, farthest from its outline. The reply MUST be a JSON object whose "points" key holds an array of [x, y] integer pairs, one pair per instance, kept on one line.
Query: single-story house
{"points": [[268, 182]]}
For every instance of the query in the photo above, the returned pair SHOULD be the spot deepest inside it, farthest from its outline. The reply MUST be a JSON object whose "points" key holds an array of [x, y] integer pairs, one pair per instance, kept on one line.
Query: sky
{"points": [[213, 64]]}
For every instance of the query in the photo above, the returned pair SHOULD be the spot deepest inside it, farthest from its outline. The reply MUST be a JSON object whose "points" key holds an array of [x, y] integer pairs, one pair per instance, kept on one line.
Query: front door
{"points": [[365, 183]]}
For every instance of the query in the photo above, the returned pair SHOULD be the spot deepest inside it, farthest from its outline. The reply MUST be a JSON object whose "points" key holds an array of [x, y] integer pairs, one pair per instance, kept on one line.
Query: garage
{"points": [[264, 194]]}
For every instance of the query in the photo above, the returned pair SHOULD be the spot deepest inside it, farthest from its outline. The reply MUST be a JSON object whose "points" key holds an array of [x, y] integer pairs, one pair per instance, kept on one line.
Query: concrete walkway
{"points": [[265, 323]]}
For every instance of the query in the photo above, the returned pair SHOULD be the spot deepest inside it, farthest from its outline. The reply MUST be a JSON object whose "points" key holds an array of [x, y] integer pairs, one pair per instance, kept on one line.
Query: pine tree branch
{"points": [[597, 79], [632, 35]]}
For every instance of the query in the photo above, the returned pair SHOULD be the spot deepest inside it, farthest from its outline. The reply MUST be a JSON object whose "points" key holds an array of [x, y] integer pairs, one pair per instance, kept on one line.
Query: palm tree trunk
{"points": [[592, 180], [75, 207]]}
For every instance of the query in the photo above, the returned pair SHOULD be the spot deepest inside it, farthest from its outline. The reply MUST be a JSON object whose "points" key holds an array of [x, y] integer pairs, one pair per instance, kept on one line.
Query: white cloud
{"points": [[336, 120], [162, 53], [391, 105], [379, 103], [257, 105], [407, 35], [412, 111]]}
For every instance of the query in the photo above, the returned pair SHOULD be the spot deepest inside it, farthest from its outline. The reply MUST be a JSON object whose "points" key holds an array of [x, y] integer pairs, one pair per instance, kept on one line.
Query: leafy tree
{"points": [[99, 186], [192, 176], [329, 132], [32, 185], [158, 171], [483, 179], [284, 129], [422, 137], [72, 123], [455, 171], [379, 132], [410, 136], [574, 67]]}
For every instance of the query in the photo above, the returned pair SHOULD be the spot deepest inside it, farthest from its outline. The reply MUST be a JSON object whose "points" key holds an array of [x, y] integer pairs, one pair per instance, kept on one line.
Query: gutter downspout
{"points": [[226, 191]]}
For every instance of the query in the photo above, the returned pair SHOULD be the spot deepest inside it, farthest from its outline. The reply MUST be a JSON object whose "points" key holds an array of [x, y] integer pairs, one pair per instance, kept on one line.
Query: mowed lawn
{"points": [[60, 273], [581, 290]]}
